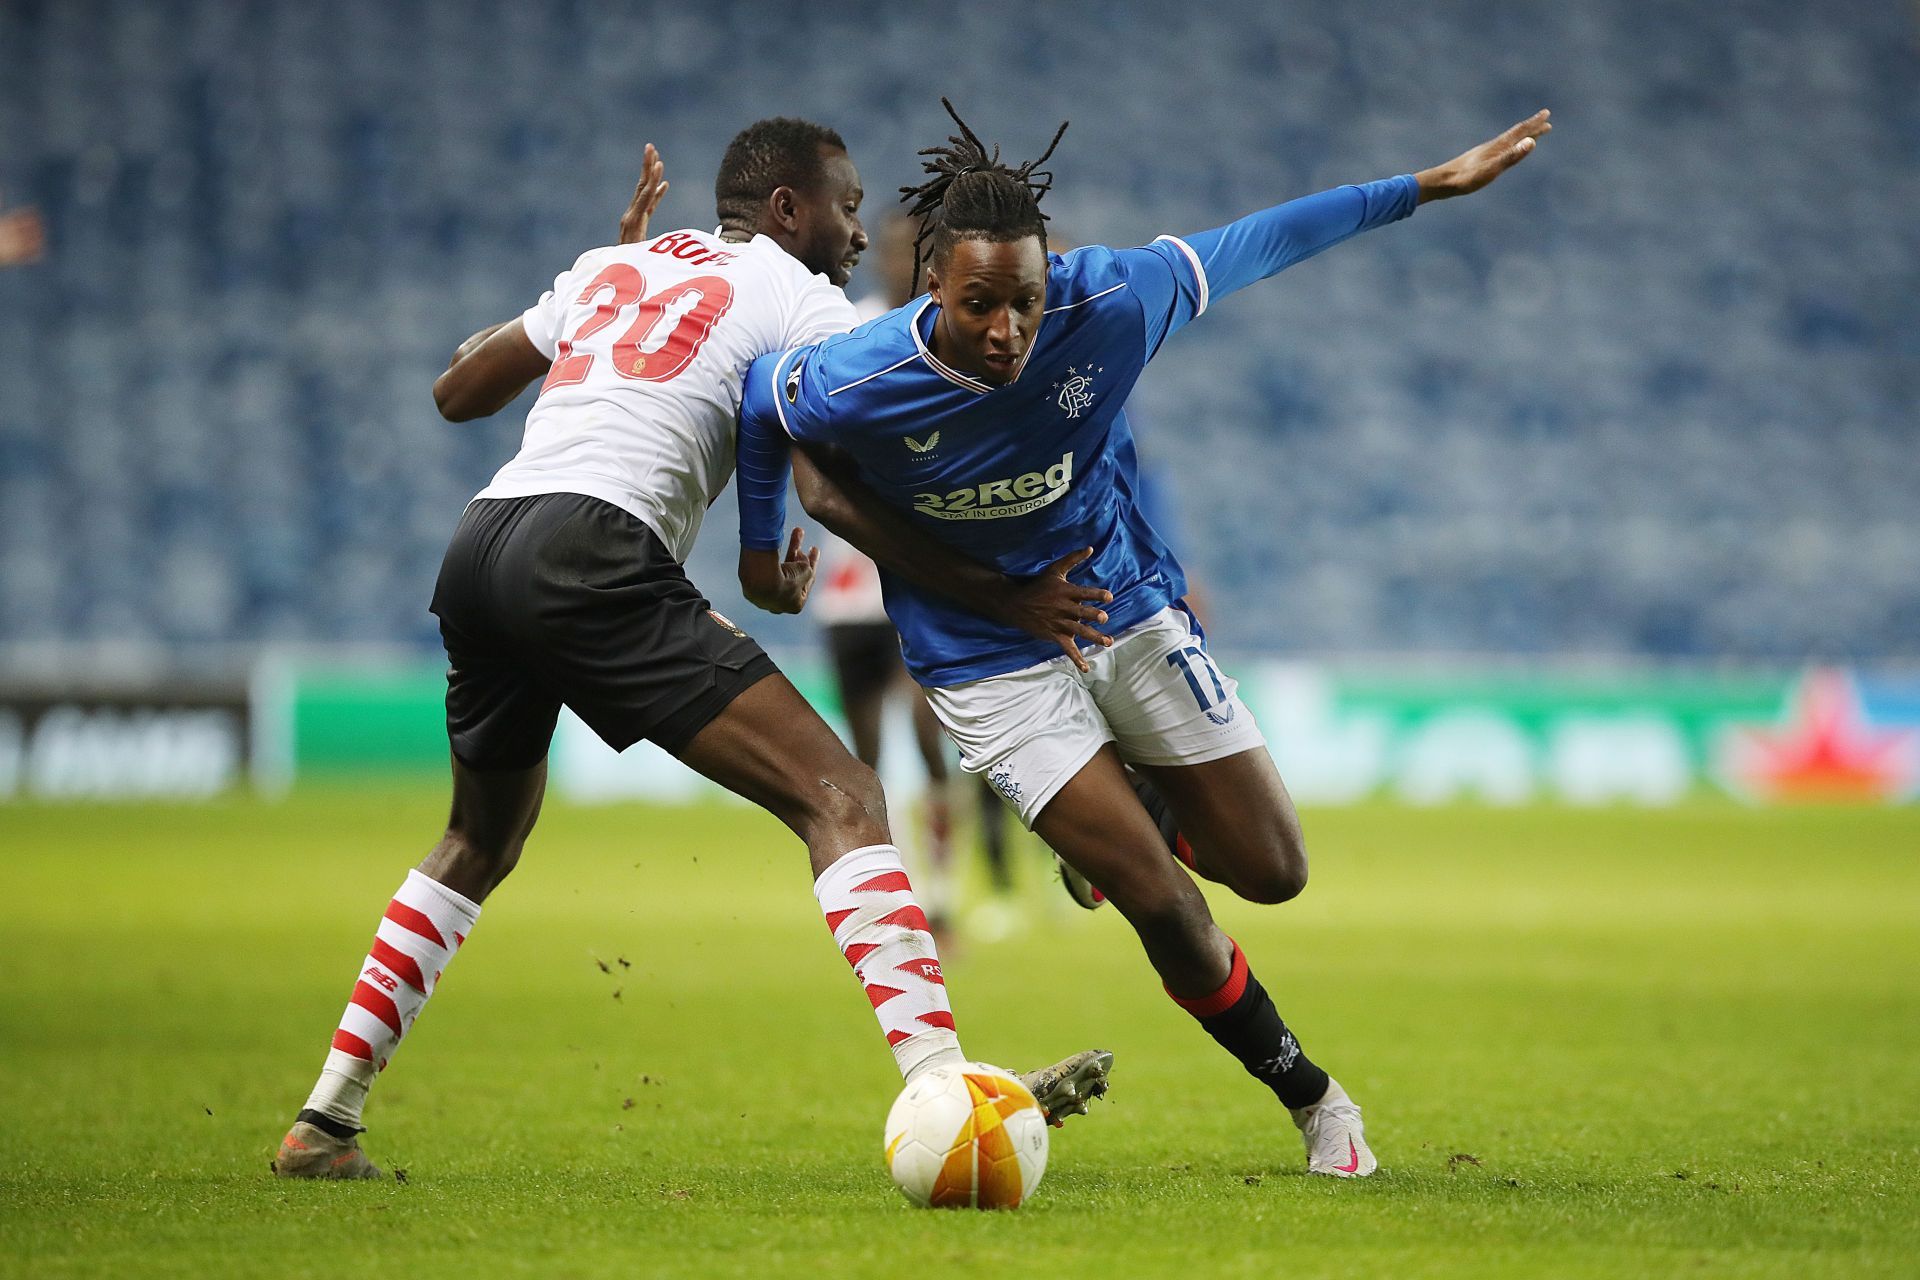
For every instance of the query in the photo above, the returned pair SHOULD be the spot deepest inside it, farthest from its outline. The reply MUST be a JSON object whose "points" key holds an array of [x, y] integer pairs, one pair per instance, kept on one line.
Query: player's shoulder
{"points": [[821, 305], [1092, 272], [596, 258], [871, 347], [767, 391], [692, 247], [1098, 280], [1097, 268], [840, 371]]}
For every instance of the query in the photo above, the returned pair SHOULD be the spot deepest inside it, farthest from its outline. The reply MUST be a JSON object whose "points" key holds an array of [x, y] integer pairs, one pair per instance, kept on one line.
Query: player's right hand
{"points": [[1052, 608]]}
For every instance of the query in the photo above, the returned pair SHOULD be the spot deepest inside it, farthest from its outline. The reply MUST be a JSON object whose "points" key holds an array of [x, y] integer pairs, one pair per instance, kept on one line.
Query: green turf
{"points": [[1589, 1044]]}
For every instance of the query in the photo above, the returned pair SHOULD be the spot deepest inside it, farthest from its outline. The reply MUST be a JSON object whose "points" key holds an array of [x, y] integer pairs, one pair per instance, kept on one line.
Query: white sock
{"points": [[868, 902], [418, 937]]}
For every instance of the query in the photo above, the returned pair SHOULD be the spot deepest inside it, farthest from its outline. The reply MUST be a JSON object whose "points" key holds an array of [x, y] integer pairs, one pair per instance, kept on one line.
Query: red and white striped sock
{"points": [[881, 930], [418, 937]]}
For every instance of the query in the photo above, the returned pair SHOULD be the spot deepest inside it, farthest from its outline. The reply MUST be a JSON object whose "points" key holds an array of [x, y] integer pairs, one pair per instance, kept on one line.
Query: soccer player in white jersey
{"points": [[563, 586], [988, 414]]}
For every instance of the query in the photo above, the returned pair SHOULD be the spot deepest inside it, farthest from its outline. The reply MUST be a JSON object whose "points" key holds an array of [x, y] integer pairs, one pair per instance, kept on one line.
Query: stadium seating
{"points": [[1654, 395]]}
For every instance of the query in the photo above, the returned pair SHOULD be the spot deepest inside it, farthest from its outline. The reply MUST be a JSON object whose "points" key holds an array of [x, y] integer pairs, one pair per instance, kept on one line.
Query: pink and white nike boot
{"points": [[1336, 1142]]}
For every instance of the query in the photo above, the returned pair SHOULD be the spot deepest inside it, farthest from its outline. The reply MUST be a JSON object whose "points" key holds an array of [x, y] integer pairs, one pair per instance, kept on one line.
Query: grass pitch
{"points": [[1588, 1044]]}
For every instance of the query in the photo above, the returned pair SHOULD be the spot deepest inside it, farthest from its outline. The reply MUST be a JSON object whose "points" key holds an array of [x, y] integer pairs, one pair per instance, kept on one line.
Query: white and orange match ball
{"points": [[967, 1137]]}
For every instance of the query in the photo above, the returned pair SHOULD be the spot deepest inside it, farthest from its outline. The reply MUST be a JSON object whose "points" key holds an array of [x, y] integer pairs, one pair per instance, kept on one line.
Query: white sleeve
{"points": [[543, 319], [820, 311]]}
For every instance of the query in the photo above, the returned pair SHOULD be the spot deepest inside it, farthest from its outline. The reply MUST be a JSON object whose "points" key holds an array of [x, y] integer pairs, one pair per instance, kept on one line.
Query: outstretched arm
{"points": [[1265, 243]]}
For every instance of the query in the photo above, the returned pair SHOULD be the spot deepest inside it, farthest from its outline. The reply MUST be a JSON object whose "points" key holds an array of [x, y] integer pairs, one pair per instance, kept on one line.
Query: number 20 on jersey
{"points": [[666, 332]]}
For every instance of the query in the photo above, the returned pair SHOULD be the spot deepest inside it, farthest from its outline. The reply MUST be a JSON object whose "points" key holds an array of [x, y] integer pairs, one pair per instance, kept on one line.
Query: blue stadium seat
{"points": [[1654, 396]]}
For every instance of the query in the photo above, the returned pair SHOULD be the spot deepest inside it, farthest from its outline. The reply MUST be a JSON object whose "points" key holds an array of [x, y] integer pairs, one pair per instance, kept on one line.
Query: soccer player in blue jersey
{"points": [[987, 415]]}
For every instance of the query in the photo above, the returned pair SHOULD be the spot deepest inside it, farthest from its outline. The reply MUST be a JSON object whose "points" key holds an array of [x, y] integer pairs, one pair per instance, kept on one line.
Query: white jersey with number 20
{"points": [[649, 344]]}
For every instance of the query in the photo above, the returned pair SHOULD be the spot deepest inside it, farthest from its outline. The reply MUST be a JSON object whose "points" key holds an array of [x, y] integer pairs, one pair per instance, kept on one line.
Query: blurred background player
{"points": [[563, 586]]}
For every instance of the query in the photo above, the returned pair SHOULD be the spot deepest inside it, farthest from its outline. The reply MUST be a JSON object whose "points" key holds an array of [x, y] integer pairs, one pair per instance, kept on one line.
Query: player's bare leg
{"points": [[1239, 823], [1099, 826], [492, 813], [769, 746], [1083, 891], [863, 705]]}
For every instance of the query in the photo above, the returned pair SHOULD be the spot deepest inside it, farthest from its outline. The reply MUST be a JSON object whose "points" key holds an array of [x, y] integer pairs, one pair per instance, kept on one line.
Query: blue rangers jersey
{"points": [[1020, 475]]}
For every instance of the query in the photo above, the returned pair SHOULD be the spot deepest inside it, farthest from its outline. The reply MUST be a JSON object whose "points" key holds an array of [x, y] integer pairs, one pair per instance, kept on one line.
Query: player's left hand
{"points": [[1471, 170], [1050, 607], [779, 585], [646, 197]]}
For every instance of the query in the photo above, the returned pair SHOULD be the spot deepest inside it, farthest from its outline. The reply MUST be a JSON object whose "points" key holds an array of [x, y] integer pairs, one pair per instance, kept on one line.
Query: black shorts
{"points": [[866, 658], [563, 599]]}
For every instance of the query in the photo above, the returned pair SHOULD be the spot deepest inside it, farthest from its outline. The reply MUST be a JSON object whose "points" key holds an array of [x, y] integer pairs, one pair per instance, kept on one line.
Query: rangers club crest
{"points": [[1076, 390]]}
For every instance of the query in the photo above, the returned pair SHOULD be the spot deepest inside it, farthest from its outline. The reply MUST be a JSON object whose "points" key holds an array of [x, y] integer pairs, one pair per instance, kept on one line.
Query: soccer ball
{"points": [[966, 1137]]}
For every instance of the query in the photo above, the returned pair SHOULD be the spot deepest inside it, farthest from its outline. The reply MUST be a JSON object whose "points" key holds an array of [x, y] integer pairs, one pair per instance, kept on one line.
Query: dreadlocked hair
{"points": [[970, 195]]}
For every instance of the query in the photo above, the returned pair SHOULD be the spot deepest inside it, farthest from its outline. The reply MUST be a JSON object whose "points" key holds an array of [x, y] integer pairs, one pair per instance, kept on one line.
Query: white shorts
{"points": [[1155, 695]]}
